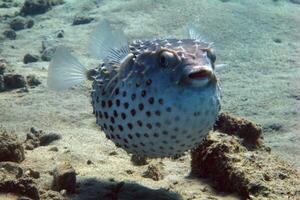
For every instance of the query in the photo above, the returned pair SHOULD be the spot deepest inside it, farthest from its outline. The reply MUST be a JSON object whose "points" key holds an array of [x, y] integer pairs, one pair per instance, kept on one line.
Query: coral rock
{"points": [[250, 132], [10, 148], [64, 178], [233, 168]]}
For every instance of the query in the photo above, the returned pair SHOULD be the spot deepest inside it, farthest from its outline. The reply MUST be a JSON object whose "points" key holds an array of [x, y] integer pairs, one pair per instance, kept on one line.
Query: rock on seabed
{"points": [[234, 166], [10, 148]]}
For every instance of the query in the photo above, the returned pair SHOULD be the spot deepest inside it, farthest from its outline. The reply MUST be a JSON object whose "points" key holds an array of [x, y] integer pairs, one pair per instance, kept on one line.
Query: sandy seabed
{"points": [[258, 40]]}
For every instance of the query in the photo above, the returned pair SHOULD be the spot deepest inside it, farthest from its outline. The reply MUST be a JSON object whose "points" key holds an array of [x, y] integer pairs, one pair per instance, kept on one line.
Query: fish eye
{"points": [[167, 59], [211, 55]]}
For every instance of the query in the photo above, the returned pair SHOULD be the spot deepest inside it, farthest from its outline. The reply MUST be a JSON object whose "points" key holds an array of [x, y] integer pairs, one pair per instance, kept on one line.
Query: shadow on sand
{"points": [[94, 189]]}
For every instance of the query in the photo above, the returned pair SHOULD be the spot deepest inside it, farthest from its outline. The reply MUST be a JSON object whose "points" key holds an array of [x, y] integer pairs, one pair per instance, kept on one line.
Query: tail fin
{"points": [[65, 70]]}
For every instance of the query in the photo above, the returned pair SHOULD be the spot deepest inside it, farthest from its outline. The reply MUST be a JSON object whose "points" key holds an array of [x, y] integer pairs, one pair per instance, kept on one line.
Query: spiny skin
{"points": [[148, 108]]}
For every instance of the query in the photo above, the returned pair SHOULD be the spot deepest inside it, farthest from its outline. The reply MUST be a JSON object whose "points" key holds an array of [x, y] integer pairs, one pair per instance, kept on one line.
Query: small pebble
{"points": [[277, 40], [89, 162], [129, 171], [48, 138], [60, 34], [29, 58], [14, 81], [64, 178], [2, 85], [20, 23], [78, 20], [153, 172], [113, 153], [139, 160], [32, 173], [63, 192], [32, 80], [3, 66], [295, 1], [53, 149], [34, 7], [10, 34], [30, 23]]}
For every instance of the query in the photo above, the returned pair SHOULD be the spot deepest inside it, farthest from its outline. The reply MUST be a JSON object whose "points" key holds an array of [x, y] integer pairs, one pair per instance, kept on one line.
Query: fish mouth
{"points": [[200, 76], [203, 73]]}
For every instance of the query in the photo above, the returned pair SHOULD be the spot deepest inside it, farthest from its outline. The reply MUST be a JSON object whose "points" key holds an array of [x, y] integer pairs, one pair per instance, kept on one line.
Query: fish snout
{"points": [[199, 76]]}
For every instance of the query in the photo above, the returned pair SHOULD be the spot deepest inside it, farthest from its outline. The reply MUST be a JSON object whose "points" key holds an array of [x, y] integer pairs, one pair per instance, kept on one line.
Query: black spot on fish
{"points": [[157, 113], [109, 103], [161, 101], [149, 82], [140, 123], [115, 113], [151, 100], [165, 132], [133, 112], [133, 96], [141, 106], [103, 104], [137, 135], [104, 126], [138, 84], [143, 93], [118, 102], [111, 128], [158, 125], [126, 105], [117, 91], [149, 126], [112, 120], [148, 113], [129, 125], [120, 127], [106, 115]]}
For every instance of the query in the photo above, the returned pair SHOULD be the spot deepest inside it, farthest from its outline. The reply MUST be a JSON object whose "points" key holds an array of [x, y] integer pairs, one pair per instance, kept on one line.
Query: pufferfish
{"points": [[153, 98]]}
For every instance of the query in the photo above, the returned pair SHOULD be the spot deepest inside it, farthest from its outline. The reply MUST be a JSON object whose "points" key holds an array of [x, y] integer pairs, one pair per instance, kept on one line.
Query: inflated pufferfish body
{"points": [[154, 98]]}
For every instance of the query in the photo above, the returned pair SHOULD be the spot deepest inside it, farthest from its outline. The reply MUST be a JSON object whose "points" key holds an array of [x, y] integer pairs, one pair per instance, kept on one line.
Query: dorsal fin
{"points": [[108, 44], [194, 34]]}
